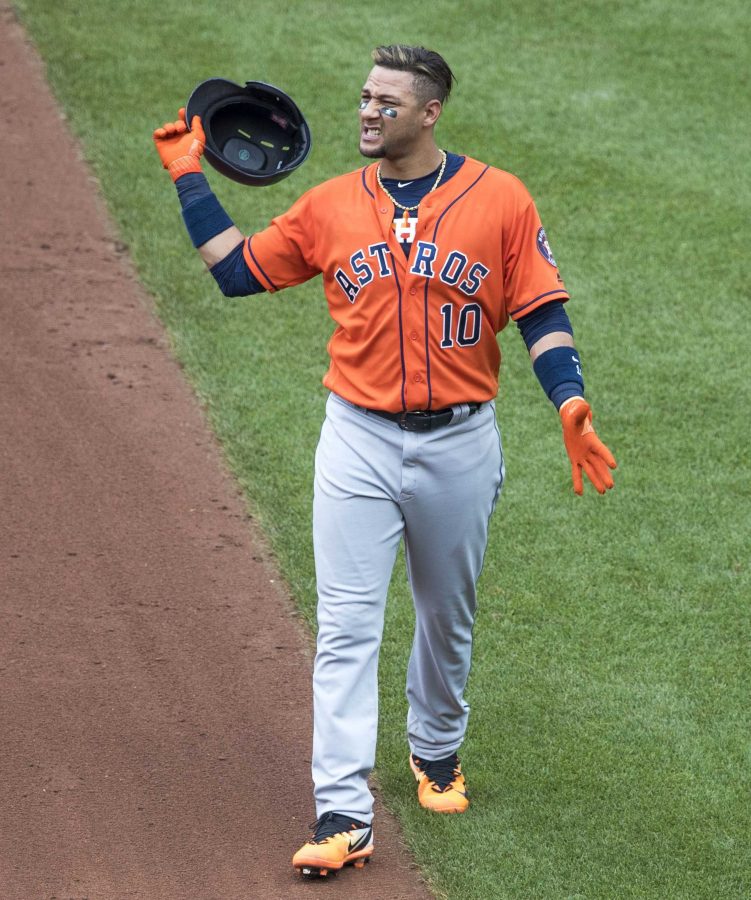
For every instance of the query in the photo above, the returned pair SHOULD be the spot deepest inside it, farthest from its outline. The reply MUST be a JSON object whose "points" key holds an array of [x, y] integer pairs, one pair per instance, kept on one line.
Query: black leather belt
{"points": [[423, 419]]}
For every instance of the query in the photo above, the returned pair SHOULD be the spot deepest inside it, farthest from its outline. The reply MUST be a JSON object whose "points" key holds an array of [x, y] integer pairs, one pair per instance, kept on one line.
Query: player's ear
{"points": [[433, 110]]}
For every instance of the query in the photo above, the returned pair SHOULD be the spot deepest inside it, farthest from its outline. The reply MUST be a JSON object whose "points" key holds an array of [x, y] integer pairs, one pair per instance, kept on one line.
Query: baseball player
{"points": [[425, 256]]}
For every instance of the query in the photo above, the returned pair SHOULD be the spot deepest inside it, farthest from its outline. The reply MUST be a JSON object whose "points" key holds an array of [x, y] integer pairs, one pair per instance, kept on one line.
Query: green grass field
{"points": [[608, 754]]}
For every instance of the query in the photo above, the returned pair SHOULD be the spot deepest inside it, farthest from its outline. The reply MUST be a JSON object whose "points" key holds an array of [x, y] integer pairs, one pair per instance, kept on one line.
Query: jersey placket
{"points": [[413, 323]]}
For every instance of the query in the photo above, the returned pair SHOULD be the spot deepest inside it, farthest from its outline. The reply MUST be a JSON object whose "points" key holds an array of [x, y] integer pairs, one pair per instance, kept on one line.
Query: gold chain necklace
{"points": [[435, 185]]}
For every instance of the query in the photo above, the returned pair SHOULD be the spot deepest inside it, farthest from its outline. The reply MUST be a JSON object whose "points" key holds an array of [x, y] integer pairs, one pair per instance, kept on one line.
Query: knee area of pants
{"points": [[335, 646], [451, 614]]}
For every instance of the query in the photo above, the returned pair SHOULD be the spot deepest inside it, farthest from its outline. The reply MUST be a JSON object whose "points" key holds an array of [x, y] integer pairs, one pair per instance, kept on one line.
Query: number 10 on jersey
{"points": [[468, 325]]}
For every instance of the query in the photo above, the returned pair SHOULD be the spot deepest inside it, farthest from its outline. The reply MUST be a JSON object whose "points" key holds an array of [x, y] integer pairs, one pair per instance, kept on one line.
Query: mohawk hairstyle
{"points": [[433, 78]]}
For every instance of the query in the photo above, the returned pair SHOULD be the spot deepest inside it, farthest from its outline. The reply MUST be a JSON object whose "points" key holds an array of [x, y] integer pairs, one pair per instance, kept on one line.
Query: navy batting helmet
{"points": [[255, 134]]}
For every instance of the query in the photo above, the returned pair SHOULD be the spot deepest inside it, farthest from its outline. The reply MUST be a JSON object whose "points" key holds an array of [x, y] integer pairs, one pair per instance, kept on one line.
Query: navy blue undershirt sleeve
{"points": [[545, 319], [233, 275]]}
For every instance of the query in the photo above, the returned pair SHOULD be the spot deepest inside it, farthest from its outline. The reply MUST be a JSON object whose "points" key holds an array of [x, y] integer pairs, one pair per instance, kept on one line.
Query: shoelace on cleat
{"points": [[331, 824], [441, 772]]}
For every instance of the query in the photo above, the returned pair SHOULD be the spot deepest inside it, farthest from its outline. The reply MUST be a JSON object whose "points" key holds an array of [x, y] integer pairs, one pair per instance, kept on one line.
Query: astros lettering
{"points": [[425, 263]]}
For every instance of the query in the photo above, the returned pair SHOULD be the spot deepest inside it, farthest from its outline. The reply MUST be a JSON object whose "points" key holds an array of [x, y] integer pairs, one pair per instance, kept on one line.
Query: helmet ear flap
{"points": [[255, 134]]}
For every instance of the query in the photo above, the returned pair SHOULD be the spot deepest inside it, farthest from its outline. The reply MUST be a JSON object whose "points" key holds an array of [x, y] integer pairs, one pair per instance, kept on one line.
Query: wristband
{"points": [[205, 218], [191, 187], [559, 373]]}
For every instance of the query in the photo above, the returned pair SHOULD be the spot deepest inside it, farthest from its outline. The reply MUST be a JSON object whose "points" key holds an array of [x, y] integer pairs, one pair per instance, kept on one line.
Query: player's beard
{"points": [[376, 152], [374, 149]]}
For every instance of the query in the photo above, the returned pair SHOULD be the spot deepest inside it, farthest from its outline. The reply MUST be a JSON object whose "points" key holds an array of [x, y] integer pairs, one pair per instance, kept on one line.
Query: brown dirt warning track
{"points": [[154, 684]]}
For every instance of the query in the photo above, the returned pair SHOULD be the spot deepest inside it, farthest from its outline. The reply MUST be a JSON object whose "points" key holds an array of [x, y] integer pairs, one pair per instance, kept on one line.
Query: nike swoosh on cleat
{"points": [[403, 183], [361, 840]]}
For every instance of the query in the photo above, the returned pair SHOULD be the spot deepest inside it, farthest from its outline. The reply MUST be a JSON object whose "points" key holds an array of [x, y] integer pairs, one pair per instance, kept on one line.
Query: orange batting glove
{"points": [[179, 149], [585, 450]]}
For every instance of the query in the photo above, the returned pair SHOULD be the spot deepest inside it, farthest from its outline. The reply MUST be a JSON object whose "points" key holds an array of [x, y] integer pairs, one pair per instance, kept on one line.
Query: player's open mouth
{"points": [[371, 132]]}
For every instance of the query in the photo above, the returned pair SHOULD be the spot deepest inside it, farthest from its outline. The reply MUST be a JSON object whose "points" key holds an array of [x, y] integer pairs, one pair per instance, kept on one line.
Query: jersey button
{"points": [[413, 291], [414, 335], [383, 209], [417, 377]]}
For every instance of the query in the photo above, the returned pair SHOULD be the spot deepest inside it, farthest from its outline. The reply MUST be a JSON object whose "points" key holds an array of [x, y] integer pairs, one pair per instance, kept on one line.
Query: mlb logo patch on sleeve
{"points": [[544, 247]]}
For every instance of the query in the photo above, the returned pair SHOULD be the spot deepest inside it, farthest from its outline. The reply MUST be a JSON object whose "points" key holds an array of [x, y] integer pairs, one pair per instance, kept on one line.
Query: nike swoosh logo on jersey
{"points": [[403, 183]]}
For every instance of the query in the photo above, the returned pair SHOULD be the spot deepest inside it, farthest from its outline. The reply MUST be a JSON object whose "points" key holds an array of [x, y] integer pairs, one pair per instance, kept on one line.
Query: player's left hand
{"points": [[585, 450], [180, 149]]}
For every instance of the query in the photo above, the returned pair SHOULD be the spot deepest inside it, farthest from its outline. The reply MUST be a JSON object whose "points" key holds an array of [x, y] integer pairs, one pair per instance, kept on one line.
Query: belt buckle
{"points": [[415, 420], [404, 423]]}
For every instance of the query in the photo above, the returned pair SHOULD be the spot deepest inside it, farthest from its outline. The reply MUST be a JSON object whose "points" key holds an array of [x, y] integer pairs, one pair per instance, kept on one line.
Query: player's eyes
{"points": [[389, 111]]}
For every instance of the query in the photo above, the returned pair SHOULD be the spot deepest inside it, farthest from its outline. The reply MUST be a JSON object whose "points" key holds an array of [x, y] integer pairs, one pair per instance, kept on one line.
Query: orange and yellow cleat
{"points": [[440, 784], [337, 841]]}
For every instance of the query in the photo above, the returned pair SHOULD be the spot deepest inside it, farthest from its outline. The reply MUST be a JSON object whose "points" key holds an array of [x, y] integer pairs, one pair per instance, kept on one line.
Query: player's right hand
{"points": [[585, 450], [179, 149]]}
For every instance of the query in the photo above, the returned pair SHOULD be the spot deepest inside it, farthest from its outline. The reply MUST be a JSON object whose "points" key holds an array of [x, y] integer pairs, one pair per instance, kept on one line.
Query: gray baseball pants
{"points": [[374, 485]]}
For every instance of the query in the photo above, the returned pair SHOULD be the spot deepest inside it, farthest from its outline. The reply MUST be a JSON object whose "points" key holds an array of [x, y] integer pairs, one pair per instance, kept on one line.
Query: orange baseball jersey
{"points": [[419, 332]]}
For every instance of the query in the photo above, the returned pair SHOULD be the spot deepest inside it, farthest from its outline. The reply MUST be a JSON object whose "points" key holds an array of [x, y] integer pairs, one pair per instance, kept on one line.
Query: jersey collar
{"points": [[432, 206]]}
